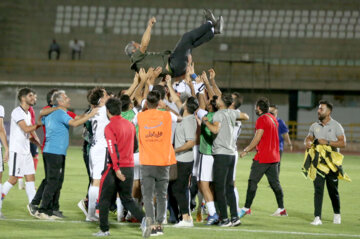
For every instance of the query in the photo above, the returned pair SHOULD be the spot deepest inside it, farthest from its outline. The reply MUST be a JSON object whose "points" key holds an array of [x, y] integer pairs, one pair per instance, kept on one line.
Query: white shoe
{"points": [[21, 184], [280, 212], [337, 219], [101, 234], [184, 223], [91, 219], [81, 205], [316, 221], [165, 222]]}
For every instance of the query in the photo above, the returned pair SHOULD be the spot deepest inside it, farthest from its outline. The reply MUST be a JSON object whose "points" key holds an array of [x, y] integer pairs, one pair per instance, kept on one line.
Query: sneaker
{"points": [[101, 234], [244, 212], [153, 232], [58, 214], [279, 212], [316, 221], [146, 227], [337, 219], [184, 223], [159, 230], [44, 216], [225, 223], [91, 219], [83, 207], [32, 209], [213, 220], [235, 221]]}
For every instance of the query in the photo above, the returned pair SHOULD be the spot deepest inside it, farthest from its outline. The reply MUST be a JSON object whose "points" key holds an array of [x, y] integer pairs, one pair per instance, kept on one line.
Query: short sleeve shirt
{"points": [[224, 142], [57, 132], [330, 131], [150, 59], [185, 131], [19, 140], [98, 124]]}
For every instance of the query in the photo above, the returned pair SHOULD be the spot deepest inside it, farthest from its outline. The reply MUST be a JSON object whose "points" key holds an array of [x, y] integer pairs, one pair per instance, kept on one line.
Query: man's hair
{"points": [[125, 102], [327, 103], [161, 90], [227, 99], [153, 99], [49, 95], [192, 104], [96, 94], [57, 96], [113, 105], [213, 103], [238, 100], [263, 104], [273, 106], [129, 48], [24, 92]]}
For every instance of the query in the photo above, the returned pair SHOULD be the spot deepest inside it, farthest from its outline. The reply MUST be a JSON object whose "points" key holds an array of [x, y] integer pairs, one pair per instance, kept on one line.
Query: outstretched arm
{"points": [[173, 94], [147, 34], [216, 89]]}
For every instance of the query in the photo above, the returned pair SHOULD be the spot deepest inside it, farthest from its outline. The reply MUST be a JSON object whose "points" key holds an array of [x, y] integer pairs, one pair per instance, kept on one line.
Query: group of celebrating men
{"points": [[153, 144]]}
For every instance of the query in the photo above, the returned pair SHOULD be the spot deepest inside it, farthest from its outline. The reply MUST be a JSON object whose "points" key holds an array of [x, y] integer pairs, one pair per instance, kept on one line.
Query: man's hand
{"points": [[119, 175], [308, 144], [168, 80], [322, 141], [212, 73], [155, 74], [205, 119], [291, 147], [151, 22], [142, 74], [6, 155], [204, 77], [243, 154], [136, 78]]}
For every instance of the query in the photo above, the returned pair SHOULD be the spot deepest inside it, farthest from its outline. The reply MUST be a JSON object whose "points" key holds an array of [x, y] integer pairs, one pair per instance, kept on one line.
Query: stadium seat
{"points": [[98, 30]]}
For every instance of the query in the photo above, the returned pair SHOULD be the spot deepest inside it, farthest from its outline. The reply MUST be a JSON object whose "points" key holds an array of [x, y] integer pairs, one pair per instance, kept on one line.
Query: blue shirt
{"points": [[57, 132], [282, 130]]}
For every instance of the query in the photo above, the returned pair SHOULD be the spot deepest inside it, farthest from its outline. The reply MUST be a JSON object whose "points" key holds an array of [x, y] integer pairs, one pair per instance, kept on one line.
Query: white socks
{"points": [[119, 208], [30, 190], [211, 208], [93, 195], [6, 188], [237, 199]]}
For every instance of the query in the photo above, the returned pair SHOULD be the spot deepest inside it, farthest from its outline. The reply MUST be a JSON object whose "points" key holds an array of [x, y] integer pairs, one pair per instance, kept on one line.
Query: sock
{"points": [[5, 189], [237, 199], [119, 208], [0, 198], [93, 195], [21, 183], [213, 29], [30, 190], [211, 208]]}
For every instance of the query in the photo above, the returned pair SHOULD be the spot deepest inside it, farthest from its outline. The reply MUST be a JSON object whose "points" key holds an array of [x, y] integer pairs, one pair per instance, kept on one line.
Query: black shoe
{"points": [[235, 221], [58, 214], [209, 16], [219, 26], [159, 231], [32, 209], [225, 223], [153, 232]]}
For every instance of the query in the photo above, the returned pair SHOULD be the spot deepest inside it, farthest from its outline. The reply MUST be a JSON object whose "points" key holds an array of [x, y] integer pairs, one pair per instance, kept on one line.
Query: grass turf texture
{"points": [[298, 197]]}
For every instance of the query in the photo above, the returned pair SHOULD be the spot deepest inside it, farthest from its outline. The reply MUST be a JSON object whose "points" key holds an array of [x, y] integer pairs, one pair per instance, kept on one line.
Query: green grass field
{"points": [[298, 202]]}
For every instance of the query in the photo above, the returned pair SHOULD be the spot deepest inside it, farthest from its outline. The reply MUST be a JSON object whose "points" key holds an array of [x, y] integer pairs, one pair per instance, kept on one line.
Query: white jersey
{"points": [[19, 140], [98, 124], [2, 115], [237, 130]]}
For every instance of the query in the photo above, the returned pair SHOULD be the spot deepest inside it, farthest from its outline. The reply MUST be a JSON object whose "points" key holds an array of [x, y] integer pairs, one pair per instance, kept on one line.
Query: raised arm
{"points": [[173, 94], [133, 86], [207, 85], [143, 78], [216, 89], [147, 34]]}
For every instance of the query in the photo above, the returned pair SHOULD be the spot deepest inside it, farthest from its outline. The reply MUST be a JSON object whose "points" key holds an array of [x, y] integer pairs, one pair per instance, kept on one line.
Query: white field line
{"points": [[207, 228]]}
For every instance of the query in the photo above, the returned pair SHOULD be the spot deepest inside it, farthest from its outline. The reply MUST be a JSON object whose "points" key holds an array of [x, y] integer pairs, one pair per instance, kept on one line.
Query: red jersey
{"points": [[268, 147], [120, 136], [32, 113], [71, 114]]}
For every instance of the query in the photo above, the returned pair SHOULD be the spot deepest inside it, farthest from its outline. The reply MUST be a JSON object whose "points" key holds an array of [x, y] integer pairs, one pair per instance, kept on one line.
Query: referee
{"points": [[329, 132]]}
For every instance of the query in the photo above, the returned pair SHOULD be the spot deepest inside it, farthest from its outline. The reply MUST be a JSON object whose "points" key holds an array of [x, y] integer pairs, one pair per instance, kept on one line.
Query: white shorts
{"points": [[1, 163], [206, 163], [21, 164], [196, 160], [97, 161], [136, 166], [236, 160]]}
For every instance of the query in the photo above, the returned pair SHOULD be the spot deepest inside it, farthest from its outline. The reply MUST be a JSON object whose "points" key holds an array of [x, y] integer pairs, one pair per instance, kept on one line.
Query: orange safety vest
{"points": [[155, 146]]}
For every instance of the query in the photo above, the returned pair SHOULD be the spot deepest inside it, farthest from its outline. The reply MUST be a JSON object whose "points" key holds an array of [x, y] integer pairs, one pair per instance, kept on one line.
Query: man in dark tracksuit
{"points": [[120, 136]]}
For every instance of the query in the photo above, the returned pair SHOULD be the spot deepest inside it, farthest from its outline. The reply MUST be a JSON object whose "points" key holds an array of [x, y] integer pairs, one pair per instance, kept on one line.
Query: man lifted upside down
{"points": [[173, 62]]}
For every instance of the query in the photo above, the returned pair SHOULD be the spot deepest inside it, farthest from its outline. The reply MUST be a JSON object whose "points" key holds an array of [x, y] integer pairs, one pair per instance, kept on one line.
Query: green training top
{"points": [[206, 137], [129, 115]]}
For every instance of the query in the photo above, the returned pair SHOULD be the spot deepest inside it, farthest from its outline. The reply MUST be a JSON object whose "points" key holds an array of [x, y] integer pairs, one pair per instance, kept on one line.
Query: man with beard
{"points": [[326, 132], [266, 160]]}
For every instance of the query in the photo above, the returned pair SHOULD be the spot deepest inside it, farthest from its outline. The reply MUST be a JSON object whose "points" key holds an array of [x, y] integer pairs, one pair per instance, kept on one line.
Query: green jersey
{"points": [[129, 115], [206, 137]]}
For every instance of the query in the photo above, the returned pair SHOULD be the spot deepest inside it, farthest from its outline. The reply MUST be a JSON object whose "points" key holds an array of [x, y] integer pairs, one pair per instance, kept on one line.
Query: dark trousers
{"points": [[109, 186], [37, 199], [257, 172], [73, 53], [181, 186], [57, 54], [223, 170], [179, 58], [281, 152], [332, 183], [54, 179], [86, 148]]}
